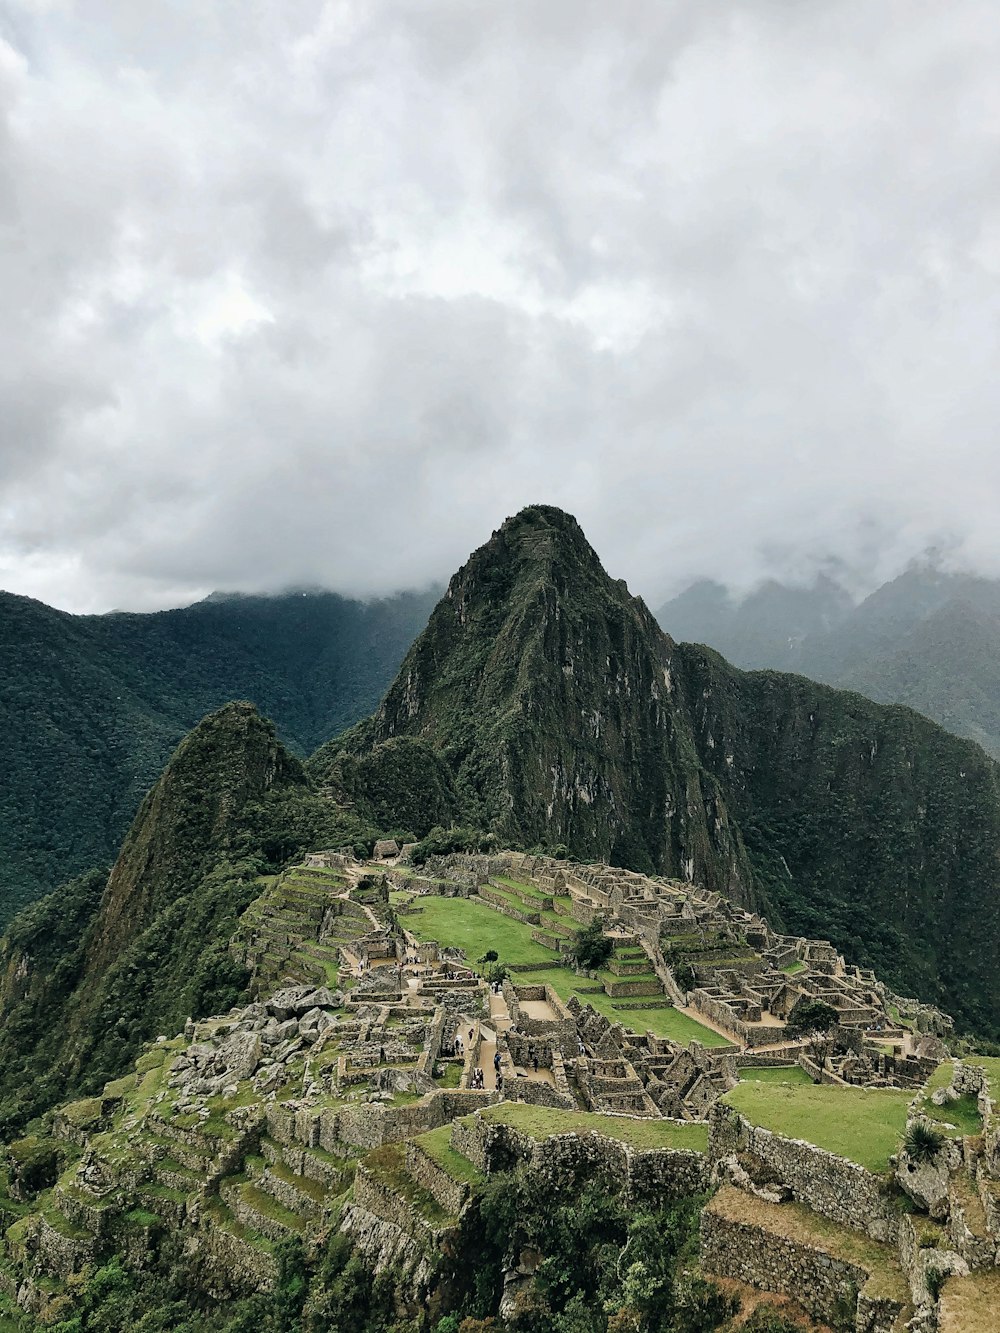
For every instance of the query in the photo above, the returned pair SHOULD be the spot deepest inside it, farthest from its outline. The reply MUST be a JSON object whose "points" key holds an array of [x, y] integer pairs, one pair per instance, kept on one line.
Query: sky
{"points": [[317, 293]]}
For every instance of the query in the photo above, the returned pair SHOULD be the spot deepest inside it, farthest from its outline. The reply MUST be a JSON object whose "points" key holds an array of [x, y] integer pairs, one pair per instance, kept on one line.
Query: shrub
{"points": [[812, 1016], [922, 1141]]}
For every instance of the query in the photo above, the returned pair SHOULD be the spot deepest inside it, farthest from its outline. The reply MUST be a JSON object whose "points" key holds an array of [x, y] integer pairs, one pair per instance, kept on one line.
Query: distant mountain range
{"points": [[927, 639], [92, 706]]}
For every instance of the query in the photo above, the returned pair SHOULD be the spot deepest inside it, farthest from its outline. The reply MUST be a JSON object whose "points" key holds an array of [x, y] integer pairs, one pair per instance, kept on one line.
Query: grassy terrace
{"points": [[864, 1125], [792, 1075], [436, 1143], [796, 1222], [476, 928], [388, 1165], [971, 1302], [541, 1122], [955, 1119]]}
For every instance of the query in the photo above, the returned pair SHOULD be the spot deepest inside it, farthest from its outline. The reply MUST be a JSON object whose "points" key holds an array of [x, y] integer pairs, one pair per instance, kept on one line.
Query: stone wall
{"points": [[649, 1177], [451, 1194], [830, 1185], [822, 1284], [236, 1266]]}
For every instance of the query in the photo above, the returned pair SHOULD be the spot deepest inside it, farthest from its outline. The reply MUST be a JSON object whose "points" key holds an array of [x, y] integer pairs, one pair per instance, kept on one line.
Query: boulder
{"points": [[926, 1182], [239, 1055]]}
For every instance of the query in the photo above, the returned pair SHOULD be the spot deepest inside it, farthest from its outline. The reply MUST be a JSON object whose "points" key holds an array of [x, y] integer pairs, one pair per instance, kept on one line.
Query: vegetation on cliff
{"points": [[94, 969], [92, 706]]}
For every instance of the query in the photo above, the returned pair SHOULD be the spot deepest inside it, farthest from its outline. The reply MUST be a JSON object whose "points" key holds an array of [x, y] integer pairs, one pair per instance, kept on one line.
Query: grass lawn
{"points": [[662, 1022], [541, 1122], [863, 1125], [788, 1074], [519, 886], [475, 928], [793, 968]]}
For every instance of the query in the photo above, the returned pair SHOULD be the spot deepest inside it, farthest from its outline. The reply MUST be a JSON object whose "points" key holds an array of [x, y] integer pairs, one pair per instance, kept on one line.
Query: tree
{"points": [[812, 1016], [592, 948]]}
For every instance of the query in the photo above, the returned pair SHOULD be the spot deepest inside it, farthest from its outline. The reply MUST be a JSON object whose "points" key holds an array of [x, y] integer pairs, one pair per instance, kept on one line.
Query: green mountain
{"points": [[92, 706], [544, 702], [541, 695], [91, 971], [927, 639]]}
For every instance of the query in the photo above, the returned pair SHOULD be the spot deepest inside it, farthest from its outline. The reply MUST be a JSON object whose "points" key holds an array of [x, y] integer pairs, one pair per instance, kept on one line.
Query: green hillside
{"points": [[92, 706]]}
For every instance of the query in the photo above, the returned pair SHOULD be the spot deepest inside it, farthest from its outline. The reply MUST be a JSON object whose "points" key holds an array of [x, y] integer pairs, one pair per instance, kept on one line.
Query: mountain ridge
{"points": [[927, 639]]}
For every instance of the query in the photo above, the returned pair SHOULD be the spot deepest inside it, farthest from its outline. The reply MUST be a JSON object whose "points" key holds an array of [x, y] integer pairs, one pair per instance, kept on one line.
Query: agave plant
{"points": [[922, 1141]]}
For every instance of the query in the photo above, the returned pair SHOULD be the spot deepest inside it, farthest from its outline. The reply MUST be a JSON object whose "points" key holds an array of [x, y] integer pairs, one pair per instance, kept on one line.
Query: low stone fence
{"points": [[370, 1124], [499, 904], [752, 1059], [623, 989], [828, 1184]]}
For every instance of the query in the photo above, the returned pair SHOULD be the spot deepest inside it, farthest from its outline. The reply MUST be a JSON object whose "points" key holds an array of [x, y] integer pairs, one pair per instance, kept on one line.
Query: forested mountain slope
{"points": [[104, 963], [92, 706], [543, 701]]}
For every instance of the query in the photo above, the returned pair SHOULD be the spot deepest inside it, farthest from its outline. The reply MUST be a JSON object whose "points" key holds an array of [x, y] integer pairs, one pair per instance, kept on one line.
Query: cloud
{"points": [[318, 293]]}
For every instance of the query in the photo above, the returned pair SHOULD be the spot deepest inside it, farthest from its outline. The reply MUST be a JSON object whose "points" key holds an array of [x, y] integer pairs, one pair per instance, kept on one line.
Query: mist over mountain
{"points": [[928, 639]]}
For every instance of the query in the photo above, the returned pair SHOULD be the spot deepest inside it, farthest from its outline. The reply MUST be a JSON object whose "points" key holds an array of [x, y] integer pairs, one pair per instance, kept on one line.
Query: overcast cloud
{"points": [[317, 293]]}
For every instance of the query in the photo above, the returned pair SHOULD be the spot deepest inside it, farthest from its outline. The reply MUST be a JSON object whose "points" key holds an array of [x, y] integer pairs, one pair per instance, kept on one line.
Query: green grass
{"points": [[792, 968], [476, 929], [956, 1119], [863, 1125], [437, 1145], [789, 1074], [269, 1207], [661, 1022], [541, 1122], [451, 1074]]}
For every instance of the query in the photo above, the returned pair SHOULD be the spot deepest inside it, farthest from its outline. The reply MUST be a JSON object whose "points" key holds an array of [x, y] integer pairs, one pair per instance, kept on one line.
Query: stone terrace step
{"points": [[257, 1210], [789, 1249]]}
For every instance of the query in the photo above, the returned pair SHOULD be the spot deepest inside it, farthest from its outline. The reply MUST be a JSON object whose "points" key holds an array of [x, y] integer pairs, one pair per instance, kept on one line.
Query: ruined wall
{"points": [[650, 1177], [824, 1286], [830, 1185]]}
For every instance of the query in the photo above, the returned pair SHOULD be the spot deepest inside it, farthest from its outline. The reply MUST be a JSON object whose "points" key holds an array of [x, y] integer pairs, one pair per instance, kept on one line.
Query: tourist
{"points": [[534, 1063]]}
